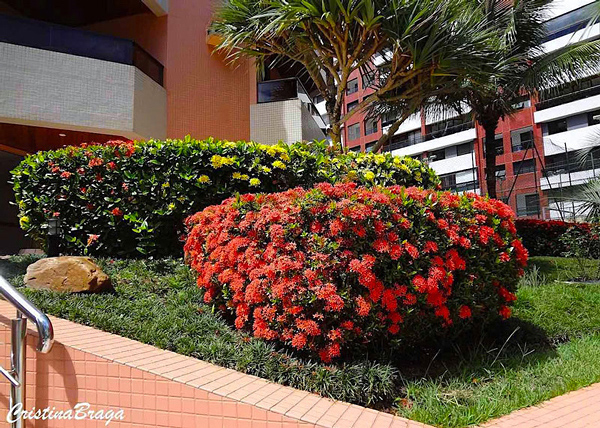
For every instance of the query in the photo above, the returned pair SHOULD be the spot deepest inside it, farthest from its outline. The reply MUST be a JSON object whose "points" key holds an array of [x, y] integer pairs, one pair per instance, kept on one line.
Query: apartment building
{"points": [[537, 148], [81, 71]]}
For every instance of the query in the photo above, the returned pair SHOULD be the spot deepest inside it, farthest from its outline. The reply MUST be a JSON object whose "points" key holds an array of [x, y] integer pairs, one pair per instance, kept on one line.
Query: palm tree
{"points": [[427, 44], [522, 67]]}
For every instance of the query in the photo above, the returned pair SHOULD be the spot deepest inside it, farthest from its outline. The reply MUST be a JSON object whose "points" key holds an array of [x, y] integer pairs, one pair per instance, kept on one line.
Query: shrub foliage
{"points": [[345, 267], [543, 238], [130, 198]]}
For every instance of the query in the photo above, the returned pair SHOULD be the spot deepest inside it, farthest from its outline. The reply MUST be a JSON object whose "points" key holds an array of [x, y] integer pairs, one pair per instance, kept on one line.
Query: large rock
{"points": [[67, 274]]}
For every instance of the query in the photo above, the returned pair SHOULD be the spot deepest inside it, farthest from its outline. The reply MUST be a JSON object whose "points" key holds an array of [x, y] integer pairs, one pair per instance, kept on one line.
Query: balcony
{"points": [[73, 41], [62, 77], [568, 97], [449, 130], [572, 173], [284, 111]]}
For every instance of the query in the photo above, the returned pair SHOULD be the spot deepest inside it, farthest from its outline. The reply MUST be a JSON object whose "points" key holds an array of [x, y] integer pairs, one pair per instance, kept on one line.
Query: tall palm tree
{"points": [[428, 44], [522, 67]]}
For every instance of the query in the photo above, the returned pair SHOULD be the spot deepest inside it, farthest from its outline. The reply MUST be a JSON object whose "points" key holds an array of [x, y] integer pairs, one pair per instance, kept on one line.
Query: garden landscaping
{"points": [[549, 347]]}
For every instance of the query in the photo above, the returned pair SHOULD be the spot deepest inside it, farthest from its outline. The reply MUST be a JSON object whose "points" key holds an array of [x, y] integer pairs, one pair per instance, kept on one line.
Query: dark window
{"points": [[352, 105], [405, 140], [524, 167], [528, 205], [370, 126], [353, 131], [355, 149], [369, 146], [500, 171], [368, 79], [352, 86], [594, 118], [464, 149], [521, 139], [521, 103], [448, 181], [437, 155], [557, 126], [498, 145]]}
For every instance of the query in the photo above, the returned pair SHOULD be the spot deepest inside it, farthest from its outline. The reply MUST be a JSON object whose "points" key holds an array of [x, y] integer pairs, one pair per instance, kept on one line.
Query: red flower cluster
{"points": [[336, 266]]}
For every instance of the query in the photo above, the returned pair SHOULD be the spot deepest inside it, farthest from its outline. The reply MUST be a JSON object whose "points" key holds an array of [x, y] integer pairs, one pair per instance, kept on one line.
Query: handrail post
{"points": [[18, 360]]}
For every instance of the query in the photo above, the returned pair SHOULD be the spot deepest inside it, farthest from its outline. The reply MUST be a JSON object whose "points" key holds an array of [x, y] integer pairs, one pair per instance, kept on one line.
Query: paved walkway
{"points": [[577, 409]]}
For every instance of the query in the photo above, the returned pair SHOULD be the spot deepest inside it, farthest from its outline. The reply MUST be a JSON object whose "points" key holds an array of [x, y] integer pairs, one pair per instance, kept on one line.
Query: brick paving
{"points": [[577, 409]]}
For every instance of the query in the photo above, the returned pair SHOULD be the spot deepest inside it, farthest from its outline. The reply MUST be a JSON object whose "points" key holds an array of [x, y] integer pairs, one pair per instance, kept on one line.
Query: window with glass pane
{"points": [[352, 86], [351, 106], [369, 146], [355, 149], [370, 126], [594, 118], [368, 79], [353, 131], [437, 155], [524, 167], [448, 181], [521, 139], [464, 149], [528, 205], [557, 126], [498, 145], [500, 171]]}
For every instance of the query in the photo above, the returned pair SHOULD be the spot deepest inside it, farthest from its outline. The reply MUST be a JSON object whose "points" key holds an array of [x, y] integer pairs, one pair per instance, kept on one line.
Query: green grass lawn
{"points": [[551, 346]]}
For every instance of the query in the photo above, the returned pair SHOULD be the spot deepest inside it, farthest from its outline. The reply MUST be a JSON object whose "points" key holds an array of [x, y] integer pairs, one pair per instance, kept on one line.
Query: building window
{"points": [[353, 131], [594, 118], [368, 79], [521, 139], [437, 155], [501, 171], [352, 86], [355, 149], [370, 126], [524, 167], [369, 147], [464, 149], [498, 145], [448, 181], [528, 205], [351, 106], [522, 103], [557, 126]]}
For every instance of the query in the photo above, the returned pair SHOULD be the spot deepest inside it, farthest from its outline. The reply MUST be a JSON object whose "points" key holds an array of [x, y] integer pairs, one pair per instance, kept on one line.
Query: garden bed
{"points": [[551, 346]]}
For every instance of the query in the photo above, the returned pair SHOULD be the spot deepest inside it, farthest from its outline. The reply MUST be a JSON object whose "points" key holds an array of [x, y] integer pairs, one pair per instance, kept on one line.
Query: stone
{"points": [[67, 274]]}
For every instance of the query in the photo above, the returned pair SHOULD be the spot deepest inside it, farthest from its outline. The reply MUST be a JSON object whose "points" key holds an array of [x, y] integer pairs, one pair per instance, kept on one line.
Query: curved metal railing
{"points": [[18, 334]]}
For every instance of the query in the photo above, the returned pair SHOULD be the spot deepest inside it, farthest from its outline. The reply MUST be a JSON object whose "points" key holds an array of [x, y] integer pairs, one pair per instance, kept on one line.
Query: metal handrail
{"points": [[24, 306], [18, 351]]}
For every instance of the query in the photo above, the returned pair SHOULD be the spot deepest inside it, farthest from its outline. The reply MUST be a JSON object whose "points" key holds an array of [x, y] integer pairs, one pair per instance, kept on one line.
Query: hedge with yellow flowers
{"points": [[130, 198]]}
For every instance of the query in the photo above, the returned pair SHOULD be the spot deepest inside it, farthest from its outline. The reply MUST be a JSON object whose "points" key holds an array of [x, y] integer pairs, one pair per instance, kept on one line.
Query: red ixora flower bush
{"points": [[339, 267]]}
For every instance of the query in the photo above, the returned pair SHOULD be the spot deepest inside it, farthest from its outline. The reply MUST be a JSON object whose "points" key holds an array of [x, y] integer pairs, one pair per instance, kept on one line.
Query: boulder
{"points": [[67, 274]]}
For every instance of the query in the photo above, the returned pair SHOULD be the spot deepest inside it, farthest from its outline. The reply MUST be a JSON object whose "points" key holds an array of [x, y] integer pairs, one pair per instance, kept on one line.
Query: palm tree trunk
{"points": [[490, 156]]}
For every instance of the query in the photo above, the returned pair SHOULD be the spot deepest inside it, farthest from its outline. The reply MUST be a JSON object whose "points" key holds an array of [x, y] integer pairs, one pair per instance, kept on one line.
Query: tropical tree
{"points": [[428, 45], [522, 68]]}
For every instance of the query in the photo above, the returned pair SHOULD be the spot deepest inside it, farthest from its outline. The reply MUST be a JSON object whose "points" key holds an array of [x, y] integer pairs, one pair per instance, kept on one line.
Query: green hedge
{"points": [[130, 198]]}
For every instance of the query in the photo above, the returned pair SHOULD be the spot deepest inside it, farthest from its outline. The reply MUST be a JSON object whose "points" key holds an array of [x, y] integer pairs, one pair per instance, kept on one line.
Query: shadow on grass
{"points": [[13, 268]]}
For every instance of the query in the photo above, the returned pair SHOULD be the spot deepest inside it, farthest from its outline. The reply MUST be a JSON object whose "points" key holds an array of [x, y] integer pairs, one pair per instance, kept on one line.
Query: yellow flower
{"points": [[285, 157], [278, 164], [24, 222], [218, 161], [397, 161], [21, 204], [237, 175], [405, 168], [379, 159], [254, 182], [244, 177], [171, 206], [165, 185], [265, 169], [203, 179], [369, 175]]}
